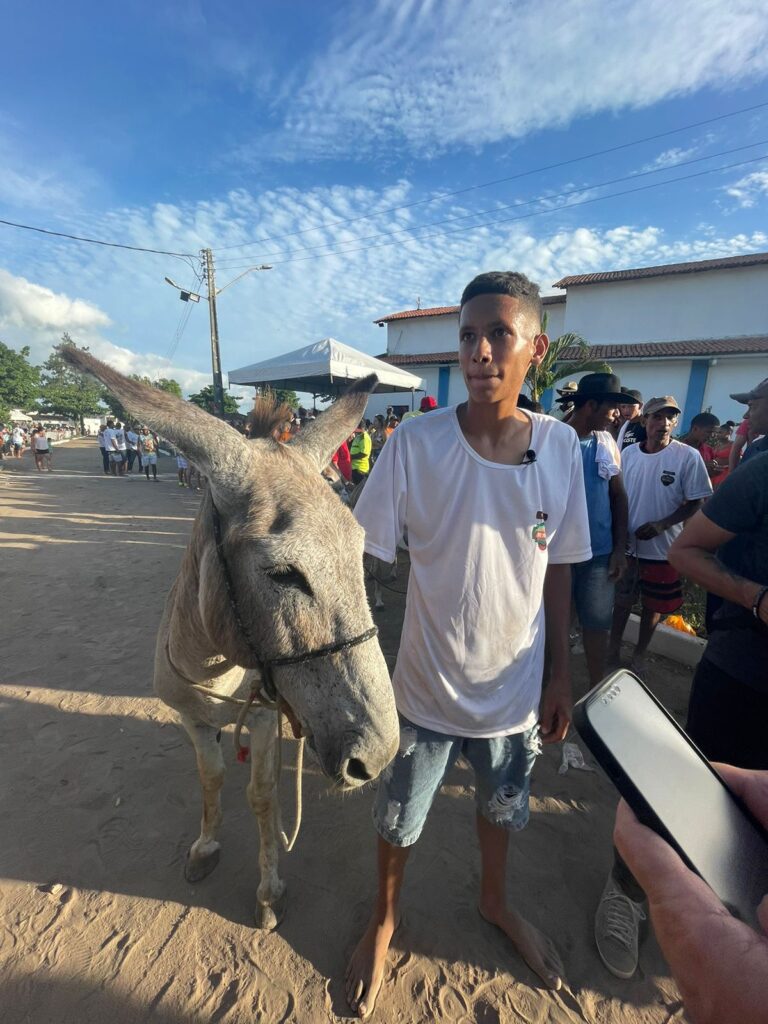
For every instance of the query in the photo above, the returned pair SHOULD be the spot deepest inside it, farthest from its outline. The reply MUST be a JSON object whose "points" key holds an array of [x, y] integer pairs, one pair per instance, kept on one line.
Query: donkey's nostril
{"points": [[355, 769]]}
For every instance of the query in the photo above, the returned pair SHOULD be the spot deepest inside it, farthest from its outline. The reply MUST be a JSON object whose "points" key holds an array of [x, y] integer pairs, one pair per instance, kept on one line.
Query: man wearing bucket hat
{"points": [[756, 401]]}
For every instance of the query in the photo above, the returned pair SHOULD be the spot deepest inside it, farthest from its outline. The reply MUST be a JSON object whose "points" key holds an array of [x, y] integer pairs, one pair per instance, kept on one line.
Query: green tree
{"points": [[67, 393], [289, 397], [204, 398], [19, 381], [555, 367], [170, 385]]}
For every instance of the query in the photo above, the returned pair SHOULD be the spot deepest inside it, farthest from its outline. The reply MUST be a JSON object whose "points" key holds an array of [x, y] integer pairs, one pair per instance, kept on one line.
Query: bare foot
{"points": [[366, 966], [536, 949]]}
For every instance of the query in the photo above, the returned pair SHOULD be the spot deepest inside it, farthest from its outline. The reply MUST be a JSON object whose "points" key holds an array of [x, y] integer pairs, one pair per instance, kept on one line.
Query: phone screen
{"points": [[691, 802]]}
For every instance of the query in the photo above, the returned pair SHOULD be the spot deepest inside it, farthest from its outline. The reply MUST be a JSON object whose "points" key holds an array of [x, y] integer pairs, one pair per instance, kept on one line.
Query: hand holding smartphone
{"points": [[674, 790]]}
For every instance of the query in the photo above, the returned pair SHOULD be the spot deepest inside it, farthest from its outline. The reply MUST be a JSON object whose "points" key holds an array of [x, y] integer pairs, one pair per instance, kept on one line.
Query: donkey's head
{"points": [[294, 556]]}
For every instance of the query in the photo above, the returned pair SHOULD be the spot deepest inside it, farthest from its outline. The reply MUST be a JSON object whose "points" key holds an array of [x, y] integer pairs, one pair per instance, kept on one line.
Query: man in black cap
{"points": [[756, 401], [595, 400]]}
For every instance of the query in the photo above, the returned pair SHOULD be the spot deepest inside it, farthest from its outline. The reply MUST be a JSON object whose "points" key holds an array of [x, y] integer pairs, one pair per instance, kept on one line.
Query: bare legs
{"points": [[649, 620], [536, 949], [366, 967]]}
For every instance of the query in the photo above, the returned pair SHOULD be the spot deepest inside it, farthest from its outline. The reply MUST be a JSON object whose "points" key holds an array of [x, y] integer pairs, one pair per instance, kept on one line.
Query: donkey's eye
{"points": [[289, 576]]}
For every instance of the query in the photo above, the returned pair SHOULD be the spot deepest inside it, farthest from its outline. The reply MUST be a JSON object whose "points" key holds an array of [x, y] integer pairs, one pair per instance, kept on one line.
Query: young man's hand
{"points": [[649, 530], [555, 711], [720, 963], [617, 565]]}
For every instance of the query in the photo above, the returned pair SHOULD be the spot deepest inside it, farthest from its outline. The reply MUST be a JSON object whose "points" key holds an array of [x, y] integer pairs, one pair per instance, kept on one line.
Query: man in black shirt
{"points": [[725, 549]]}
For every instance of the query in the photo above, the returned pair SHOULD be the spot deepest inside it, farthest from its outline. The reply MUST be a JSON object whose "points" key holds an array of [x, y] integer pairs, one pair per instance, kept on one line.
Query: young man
{"points": [[595, 403], [132, 448], [491, 499], [666, 482], [360, 453], [699, 435], [631, 430], [148, 451], [18, 436]]}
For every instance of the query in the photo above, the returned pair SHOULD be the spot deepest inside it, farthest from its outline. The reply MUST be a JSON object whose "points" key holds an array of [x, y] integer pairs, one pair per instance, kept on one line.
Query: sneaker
{"points": [[617, 930]]}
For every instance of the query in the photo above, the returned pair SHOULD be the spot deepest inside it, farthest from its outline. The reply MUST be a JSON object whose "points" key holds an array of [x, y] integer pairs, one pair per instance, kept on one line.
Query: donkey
{"points": [[271, 595]]}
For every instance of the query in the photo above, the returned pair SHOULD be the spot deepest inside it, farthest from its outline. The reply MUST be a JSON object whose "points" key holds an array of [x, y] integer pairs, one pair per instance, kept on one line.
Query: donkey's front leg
{"points": [[204, 852], [262, 796]]}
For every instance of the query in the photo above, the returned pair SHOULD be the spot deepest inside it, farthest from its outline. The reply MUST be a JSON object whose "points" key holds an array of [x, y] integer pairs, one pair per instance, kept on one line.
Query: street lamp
{"points": [[189, 296]]}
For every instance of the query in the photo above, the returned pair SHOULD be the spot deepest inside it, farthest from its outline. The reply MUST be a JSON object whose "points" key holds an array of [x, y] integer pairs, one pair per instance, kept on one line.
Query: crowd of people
{"points": [[15, 438]]}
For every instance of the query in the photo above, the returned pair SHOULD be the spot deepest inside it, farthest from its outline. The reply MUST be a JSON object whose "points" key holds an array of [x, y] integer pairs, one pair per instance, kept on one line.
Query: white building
{"points": [[698, 331]]}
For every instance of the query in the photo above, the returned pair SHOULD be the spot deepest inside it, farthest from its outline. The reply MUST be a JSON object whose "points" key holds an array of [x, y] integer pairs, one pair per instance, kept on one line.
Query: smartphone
{"points": [[673, 789]]}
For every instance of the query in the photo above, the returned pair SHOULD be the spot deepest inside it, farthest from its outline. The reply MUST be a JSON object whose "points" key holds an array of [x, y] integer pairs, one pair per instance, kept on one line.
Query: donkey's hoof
{"points": [[269, 915], [200, 866]]}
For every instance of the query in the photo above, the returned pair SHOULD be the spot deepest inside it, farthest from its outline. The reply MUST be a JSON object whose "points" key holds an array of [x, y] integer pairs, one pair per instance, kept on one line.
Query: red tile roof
{"points": [[409, 314], [609, 276], [757, 345]]}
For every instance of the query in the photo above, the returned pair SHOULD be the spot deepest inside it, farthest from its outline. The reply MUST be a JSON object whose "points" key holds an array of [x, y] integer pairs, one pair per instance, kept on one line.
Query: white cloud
{"points": [[27, 305], [749, 190], [470, 72]]}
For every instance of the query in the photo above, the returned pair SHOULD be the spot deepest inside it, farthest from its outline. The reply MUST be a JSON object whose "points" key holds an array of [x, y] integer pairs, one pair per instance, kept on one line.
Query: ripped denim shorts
{"points": [[407, 787]]}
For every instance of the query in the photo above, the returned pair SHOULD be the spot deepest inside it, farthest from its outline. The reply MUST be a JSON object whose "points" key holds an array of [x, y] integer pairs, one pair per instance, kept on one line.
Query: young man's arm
{"points": [[652, 529], [619, 517], [557, 698]]}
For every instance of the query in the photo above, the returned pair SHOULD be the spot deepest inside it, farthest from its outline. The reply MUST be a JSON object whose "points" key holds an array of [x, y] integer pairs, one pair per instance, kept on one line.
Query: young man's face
{"points": [[601, 415], [498, 341], [628, 412], [701, 434], [659, 426]]}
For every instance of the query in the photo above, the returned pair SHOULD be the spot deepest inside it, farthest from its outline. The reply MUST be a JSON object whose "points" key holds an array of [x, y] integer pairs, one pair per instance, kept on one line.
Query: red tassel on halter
{"points": [[242, 754]]}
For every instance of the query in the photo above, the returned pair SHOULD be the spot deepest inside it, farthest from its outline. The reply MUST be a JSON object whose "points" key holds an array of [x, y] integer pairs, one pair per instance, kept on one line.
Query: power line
{"points": [[510, 206], [183, 320], [528, 216], [97, 241], [500, 181]]}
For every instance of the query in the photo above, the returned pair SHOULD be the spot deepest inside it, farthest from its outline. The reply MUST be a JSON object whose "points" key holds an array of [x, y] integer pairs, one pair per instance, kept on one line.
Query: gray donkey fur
{"points": [[295, 557]]}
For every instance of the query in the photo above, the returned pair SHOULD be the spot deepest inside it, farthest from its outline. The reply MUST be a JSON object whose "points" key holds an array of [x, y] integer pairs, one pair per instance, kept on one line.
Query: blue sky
{"points": [[296, 133]]}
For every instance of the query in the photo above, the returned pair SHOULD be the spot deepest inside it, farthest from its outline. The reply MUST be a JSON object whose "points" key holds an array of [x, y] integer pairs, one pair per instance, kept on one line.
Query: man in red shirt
{"points": [[699, 435]]}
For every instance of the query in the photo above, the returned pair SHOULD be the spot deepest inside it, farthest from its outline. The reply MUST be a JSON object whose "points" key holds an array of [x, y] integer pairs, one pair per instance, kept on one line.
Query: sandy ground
{"points": [[100, 802]]}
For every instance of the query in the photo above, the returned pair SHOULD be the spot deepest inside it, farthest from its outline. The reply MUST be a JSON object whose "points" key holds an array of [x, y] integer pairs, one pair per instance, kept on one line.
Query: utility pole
{"points": [[218, 386], [190, 296]]}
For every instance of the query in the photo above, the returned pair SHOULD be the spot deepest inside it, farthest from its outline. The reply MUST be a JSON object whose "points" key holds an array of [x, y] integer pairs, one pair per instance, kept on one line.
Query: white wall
{"points": [[681, 307], [423, 334], [729, 376], [555, 319]]}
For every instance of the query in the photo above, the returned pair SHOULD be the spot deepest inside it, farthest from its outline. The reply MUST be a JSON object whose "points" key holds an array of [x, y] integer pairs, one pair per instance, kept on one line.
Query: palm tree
{"points": [[554, 367]]}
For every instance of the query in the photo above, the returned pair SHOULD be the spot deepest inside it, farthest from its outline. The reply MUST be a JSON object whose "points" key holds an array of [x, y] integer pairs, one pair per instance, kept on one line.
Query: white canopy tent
{"points": [[325, 368]]}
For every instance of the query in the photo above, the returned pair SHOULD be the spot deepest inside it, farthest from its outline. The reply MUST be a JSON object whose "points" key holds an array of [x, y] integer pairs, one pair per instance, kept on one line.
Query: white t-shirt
{"points": [[119, 436], [658, 484], [41, 443], [133, 439], [106, 438], [472, 648], [18, 435]]}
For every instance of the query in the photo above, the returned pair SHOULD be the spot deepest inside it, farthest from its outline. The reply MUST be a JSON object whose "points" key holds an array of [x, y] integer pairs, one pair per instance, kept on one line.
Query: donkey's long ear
{"points": [[220, 452], [320, 439]]}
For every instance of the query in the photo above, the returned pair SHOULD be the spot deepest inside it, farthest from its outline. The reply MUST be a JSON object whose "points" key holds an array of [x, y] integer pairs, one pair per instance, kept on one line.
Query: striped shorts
{"points": [[657, 583]]}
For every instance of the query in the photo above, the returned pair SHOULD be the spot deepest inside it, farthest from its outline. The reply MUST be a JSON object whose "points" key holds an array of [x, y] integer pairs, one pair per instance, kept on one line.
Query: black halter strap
{"points": [[266, 665]]}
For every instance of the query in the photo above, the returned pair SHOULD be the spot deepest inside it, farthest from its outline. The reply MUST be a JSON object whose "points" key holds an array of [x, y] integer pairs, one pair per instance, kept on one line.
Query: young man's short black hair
{"points": [[705, 419], [507, 282]]}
